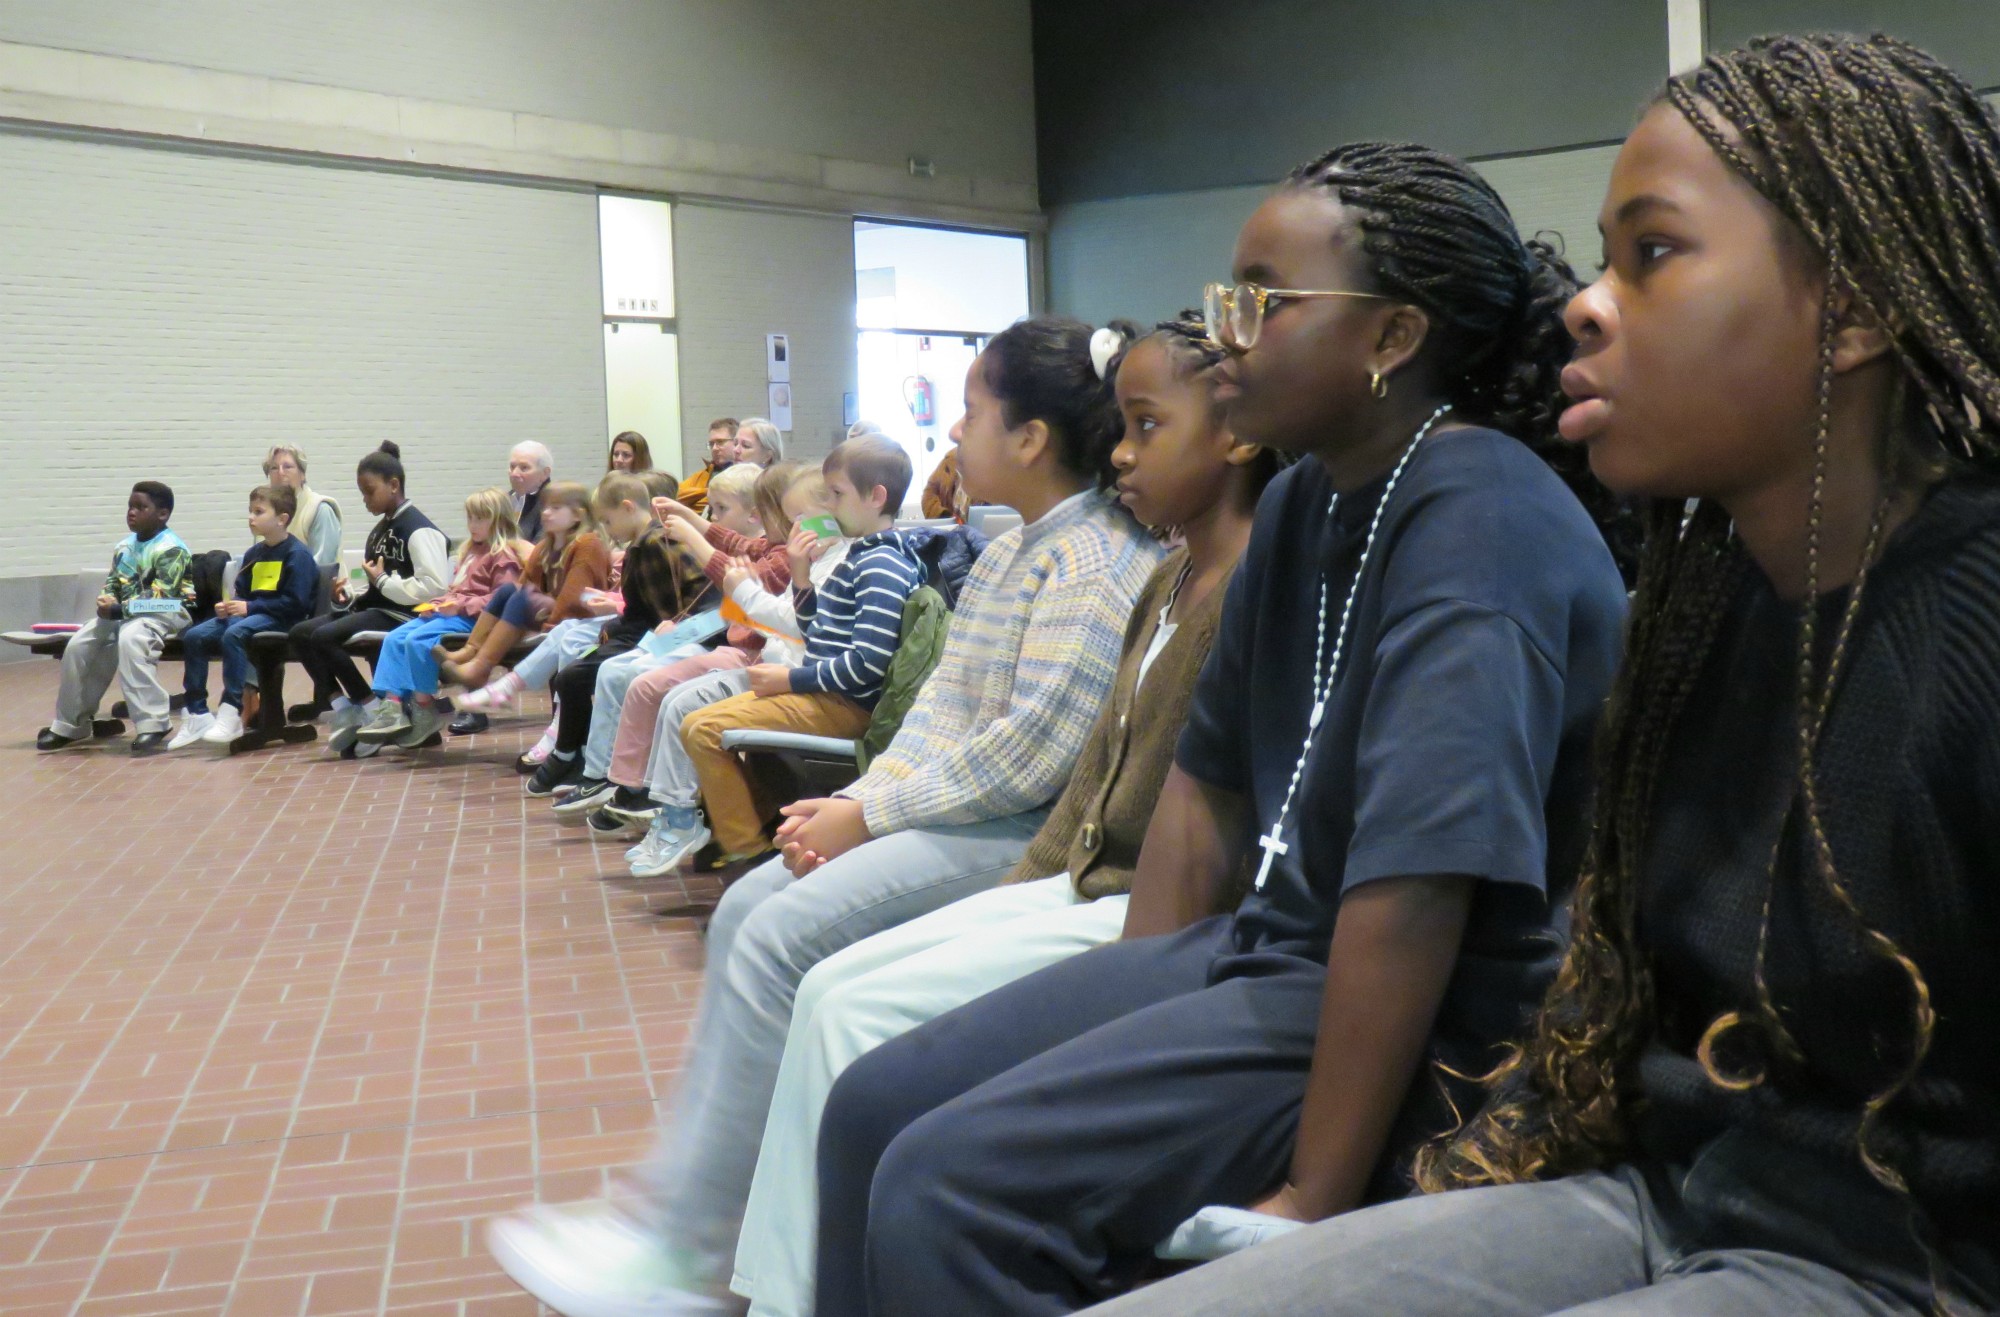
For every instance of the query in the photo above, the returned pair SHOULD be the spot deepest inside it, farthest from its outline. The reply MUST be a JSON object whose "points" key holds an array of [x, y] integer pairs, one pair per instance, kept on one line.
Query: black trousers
{"points": [[317, 647], [1026, 1152]]}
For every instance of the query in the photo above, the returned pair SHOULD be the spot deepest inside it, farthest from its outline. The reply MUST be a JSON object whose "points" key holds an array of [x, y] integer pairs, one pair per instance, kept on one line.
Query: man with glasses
{"points": [[721, 453]]}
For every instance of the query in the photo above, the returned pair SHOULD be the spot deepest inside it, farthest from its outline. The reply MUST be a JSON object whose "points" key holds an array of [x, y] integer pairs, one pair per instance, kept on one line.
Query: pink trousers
{"points": [[642, 708]]}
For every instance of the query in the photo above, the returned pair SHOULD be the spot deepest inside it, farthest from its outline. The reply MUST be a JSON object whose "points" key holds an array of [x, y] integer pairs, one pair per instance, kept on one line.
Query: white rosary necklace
{"points": [[1274, 844]]}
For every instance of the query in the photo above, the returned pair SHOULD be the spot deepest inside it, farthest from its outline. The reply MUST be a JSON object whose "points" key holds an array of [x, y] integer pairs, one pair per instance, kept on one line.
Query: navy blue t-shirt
{"points": [[1456, 741]]}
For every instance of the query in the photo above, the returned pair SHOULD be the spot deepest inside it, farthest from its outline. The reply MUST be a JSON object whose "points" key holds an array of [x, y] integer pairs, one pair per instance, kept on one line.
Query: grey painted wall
{"points": [[877, 81], [1963, 33], [1147, 257], [1138, 97]]}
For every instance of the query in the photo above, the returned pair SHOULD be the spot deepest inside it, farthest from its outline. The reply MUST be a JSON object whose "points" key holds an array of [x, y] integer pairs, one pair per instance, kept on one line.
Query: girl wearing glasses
{"points": [[1390, 739]]}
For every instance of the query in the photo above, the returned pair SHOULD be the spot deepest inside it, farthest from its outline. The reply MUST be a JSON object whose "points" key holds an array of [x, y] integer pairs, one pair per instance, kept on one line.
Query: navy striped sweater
{"points": [[855, 619]]}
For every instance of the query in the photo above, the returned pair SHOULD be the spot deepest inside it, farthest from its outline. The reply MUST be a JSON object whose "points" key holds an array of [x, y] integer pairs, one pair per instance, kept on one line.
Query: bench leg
{"points": [[270, 725]]}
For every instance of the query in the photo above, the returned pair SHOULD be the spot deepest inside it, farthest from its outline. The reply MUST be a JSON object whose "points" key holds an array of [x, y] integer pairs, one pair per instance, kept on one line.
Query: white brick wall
{"points": [[742, 274], [168, 315]]}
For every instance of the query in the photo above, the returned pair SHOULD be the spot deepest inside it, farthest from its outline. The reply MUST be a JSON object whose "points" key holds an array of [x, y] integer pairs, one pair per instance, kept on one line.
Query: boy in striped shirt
{"points": [[853, 623]]}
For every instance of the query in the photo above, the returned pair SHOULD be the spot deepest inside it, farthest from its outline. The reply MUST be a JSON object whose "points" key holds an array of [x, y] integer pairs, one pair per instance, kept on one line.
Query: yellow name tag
{"points": [[266, 575]]}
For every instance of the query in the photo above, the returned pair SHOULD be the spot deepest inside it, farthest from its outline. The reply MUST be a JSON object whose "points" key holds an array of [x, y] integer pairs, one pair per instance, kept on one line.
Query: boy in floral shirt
{"points": [[146, 599]]}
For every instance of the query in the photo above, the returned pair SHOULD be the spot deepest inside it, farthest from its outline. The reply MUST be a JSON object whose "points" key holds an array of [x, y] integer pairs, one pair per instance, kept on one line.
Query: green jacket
{"points": [[925, 622]]}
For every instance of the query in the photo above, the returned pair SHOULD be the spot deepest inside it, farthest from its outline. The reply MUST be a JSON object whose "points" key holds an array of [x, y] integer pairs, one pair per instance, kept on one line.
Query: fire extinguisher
{"points": [[921, 398]]}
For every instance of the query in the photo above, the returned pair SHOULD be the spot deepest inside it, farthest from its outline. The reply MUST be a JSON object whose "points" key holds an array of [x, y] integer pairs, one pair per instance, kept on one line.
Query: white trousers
{"points": [[670, 776], [861, 997]]}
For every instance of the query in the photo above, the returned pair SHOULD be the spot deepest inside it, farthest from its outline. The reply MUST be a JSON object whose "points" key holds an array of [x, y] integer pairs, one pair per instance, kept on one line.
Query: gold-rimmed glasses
{"points": [[1238, 312]]}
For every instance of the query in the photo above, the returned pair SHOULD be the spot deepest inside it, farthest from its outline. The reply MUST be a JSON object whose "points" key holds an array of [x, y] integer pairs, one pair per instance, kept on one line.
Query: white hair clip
{"points": [[1104, 345]]}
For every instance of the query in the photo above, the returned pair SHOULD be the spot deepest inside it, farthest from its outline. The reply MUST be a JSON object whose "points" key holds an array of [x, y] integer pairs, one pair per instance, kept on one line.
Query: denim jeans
{"points": [[769, 929], [230, 637]]}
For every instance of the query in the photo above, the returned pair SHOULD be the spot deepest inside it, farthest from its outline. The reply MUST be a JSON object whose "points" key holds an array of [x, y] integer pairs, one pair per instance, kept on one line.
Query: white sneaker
{"points": [[228, 725], [673, 846], [194, 726], [591, 1260]]}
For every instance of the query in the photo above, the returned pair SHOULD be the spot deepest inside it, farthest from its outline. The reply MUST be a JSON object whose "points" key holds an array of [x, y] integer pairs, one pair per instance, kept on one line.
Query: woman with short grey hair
{"points": [[317, 522], [759, 442]]}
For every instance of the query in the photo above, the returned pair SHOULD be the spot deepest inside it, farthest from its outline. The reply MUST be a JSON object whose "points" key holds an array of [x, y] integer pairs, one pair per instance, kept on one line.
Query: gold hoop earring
{"points": [[1378, 384]]}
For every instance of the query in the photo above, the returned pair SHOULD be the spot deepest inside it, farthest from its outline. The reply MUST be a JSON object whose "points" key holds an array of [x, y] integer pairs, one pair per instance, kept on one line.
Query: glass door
{"points": [[926, 301]]}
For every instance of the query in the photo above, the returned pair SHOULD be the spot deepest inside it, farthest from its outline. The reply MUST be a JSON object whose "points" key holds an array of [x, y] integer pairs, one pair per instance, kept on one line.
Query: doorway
{"points": [[642, 387], [926, 301]]}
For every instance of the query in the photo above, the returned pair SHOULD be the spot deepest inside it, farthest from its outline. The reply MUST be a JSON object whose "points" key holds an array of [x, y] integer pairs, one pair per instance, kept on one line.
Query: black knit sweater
{"points": [[1909, 771]]}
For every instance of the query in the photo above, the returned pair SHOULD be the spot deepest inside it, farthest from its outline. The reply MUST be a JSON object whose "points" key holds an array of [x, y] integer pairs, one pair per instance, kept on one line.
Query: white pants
{"points": [[670, 776], [861, 997], [565, 644], [125, 648]]}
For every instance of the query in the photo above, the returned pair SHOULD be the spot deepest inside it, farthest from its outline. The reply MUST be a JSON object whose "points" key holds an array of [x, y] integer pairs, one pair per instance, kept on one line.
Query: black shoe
{"points": [[308, 712], [577, 805], [553, 773], [470, 724], [148, 743], [633, 805], [710, 859], [50, 739], [606, 824]]}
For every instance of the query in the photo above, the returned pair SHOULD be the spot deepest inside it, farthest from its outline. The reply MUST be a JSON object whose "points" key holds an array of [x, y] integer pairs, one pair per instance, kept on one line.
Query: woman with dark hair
{"points": [[629, 454], [945, 811], [1391, 733], [1767, 1079]]}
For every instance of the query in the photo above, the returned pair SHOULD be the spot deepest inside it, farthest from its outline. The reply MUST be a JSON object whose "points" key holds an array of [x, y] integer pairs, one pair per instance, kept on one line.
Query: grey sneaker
{"points": [[346, 728], [424, 721], [389, 723]]}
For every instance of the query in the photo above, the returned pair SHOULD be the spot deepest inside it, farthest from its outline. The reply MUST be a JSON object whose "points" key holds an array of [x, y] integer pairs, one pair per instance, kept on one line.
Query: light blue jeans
{"points": [[768, 930], [565, 644]]}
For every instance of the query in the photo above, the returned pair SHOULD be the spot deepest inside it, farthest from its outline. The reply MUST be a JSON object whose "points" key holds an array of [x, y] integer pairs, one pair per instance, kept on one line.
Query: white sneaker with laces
{"points": [[658, 833], [592, 1260], [193, 727], [674, 845], [226, 726]]}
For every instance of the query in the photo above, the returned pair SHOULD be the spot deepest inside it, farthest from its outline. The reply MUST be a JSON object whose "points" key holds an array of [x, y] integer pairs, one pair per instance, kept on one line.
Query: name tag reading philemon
{"points": [[266, 575]]}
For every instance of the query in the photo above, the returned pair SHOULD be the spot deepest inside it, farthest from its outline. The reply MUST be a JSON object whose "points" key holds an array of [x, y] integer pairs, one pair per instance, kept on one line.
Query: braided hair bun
{"points": [[1435, 234]]}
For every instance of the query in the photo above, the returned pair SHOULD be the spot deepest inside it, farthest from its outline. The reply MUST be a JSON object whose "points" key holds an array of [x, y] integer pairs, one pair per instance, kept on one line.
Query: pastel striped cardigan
{"points": [[1032, 653]]}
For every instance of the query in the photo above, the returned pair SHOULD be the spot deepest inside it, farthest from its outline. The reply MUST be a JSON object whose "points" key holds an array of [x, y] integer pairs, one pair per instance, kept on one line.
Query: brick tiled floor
{"points": [[277, 1032]]}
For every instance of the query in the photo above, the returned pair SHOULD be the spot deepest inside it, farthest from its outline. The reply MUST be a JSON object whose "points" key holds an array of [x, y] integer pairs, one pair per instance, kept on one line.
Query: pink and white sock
{"points": [[542, 747], [501, 690]]}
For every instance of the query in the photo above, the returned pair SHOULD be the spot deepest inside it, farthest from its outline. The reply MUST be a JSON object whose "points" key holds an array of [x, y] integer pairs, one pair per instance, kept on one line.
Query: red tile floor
{"points": [[278, 1032]]}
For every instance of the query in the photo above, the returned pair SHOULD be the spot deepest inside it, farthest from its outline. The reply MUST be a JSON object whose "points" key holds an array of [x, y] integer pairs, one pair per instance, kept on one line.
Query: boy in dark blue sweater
{"points": [[275, 590]]}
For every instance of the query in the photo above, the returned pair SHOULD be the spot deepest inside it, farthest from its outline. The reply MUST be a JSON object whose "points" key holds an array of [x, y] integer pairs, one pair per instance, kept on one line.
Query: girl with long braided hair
{"points": [[1388, 747], [1767, 1078]]}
